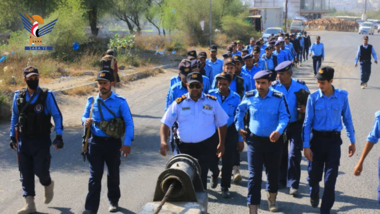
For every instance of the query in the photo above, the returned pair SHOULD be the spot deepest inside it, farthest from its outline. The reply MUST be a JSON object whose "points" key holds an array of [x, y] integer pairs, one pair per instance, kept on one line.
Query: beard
{"points": [[195, 94], [105, 90]]}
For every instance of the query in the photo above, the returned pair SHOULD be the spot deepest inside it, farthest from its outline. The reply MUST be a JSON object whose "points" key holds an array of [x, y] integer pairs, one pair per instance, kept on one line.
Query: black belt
{"points": [[203, 141], [97, 138], [326, 133], [365, 61], [317, 56], [261, 139], [297, 122]]}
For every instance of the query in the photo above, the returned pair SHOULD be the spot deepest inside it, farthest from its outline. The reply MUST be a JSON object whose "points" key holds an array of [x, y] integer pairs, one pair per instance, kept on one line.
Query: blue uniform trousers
{"points": [[317, 63], [230, 146], [378, 188], [299, 55], [262, 152], [34, 159], [326, 158], [103, 150], [290, 170], [203, 152], [365, 69]]}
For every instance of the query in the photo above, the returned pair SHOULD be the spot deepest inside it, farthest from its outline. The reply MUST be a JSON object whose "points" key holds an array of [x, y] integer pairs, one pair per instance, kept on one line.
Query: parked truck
{"points": [[267, 17], [297, 26]]}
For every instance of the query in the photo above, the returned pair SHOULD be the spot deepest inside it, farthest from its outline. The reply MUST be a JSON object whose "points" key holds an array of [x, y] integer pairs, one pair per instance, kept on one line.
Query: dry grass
{"points": [[80, 91], [140, 75], [171, 43]]}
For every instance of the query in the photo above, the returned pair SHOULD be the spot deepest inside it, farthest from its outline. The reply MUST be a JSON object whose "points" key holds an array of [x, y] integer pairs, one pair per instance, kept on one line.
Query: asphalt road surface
{"points": [[140, 170]]}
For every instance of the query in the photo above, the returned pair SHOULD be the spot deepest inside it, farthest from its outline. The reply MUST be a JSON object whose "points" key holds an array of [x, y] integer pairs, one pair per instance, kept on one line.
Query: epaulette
{"points": [[90, 97], [250, 93], [301, 81], [278, 94], [180, 99], [118, 96], [377, 114], [212, 97], [275, 83]]}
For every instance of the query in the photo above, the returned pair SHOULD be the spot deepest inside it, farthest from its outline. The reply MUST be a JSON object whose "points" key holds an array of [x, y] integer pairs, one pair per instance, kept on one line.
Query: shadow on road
{"points": [[63, 210], [145, 116]]}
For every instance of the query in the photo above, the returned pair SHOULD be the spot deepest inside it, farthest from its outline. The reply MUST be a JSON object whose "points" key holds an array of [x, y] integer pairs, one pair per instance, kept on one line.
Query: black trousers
{"points": [[103, 151], [202, 151], [317, 63]]}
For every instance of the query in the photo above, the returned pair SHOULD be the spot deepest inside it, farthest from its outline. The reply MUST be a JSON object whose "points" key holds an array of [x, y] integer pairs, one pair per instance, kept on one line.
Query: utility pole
{"points": [[210, 22], [286, 15], [365, 7]]}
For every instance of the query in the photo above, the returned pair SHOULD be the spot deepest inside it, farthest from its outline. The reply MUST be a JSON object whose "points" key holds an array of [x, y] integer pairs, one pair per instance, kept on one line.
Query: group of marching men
{"points": [[214, 106]]}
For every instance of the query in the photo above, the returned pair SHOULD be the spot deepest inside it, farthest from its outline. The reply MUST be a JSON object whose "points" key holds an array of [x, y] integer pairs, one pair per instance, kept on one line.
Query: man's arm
{"points": [[284, 116], [359, 167], [308, 122], [374, 54], [323, 51], [129, 125], [53, 109], [15, 115], [357, 56], [347, 120], [87, 110]]}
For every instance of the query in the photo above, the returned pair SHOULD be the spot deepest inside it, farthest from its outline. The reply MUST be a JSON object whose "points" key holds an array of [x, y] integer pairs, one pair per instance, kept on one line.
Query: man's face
{"points": [[223, 85], [318, 40], [257, 56], [252, 42], [287, 41], [262, 85], [202, 60], [234, 48], [249, 62], [268, 52], [240, 46], [278, 48], [324, 85], [243, 54], [195, 89], [365, 41], [284, 77], [229, 69], [33, 77], [213, 54], [238, 65], [104, 86]]}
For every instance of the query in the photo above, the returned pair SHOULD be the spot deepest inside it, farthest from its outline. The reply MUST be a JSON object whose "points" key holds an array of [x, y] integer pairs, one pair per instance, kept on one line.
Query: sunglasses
{"points": [[197, 86]]}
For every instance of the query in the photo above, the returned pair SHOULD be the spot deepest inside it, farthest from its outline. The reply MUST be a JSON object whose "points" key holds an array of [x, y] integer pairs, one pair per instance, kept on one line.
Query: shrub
{"points": [[236, 27]]}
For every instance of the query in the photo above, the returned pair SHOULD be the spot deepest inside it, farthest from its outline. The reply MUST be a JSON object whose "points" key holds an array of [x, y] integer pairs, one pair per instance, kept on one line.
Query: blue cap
{"points": [[248, 56], [195, 64], [245, 50], [325, 73], [238, 58], [227, 55], [229, 61], [104, 75], [283, 66], [264, 74], [272, 42]]}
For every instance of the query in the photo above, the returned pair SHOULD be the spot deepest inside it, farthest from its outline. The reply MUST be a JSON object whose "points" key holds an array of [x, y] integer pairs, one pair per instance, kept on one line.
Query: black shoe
{"points": [[113, 208], [214, 182], [314, 200], [226, 193], [88, 212]]}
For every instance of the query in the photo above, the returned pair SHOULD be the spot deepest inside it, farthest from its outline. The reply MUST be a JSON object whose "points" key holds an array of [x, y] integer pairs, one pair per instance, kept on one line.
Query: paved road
{"points": [[141, 169]]}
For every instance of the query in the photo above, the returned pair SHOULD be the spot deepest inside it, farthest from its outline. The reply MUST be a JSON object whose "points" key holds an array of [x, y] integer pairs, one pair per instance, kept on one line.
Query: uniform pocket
{"points": [[320, 112]]}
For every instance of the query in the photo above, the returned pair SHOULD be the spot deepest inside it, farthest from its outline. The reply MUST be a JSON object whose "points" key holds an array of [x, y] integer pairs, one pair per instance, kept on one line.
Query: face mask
{"points": [[32, 84]]}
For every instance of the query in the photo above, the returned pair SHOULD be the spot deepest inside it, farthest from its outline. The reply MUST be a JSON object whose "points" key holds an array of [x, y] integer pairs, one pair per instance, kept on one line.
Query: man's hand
{"points": [[256, 64], [356, 65], [308, 154], [88, 122], [240, 146], [58, 142], [274, 136], [302, 108], [13, 144], [164, 147], [310, 54], [376, 61], [243, 134], [125, 150], [358, 169], [351, 149], [220, 150]]}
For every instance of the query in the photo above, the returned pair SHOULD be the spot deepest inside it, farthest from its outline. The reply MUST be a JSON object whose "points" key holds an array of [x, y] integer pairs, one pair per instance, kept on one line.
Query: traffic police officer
{"points": [[290, 171], [32, 110], [317, 50], [111, 118], [215, 63], [372, 139], [253, 65], [324, 111], [270, 61], [196, 67], [364, 56], [205, 68], [239, 64], [234, 50], [282, 56], [197, 115], [229, 100], [268, 119]]}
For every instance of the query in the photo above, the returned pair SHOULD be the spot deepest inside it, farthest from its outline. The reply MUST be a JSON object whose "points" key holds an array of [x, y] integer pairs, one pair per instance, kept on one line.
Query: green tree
{"points": [[95, 9]]}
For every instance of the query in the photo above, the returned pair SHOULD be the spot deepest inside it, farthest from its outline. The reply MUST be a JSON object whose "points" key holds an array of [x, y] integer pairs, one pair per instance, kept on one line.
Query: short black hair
{"points": [[318, 37]]}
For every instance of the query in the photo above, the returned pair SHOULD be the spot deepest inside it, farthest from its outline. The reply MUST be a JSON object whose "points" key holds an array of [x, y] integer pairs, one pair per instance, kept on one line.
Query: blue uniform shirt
{"points": [[290, 46], [119, 106], [317, 50], [247, 80], [229, 105], [250, 48], [281, 57], [233, 85], [251, 72], [50, 107], [238, 53], [288, 54], [176, 91], [290, 95], [217, 67], [196, 120], [325, 114], [365, 47], [374, 135], [267, 114], [269, 63], [302, 42], [208, 72]]}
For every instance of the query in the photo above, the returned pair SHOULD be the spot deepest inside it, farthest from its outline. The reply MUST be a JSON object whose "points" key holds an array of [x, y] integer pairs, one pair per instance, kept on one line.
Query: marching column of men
{"points": [[226, 103]]}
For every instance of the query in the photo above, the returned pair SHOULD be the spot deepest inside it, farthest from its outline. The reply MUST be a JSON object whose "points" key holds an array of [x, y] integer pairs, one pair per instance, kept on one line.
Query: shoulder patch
{"points": [[179, 100], [377, 114], [278, 94], [250, 93], [275, 83], [211, 97], [301, 81]]}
